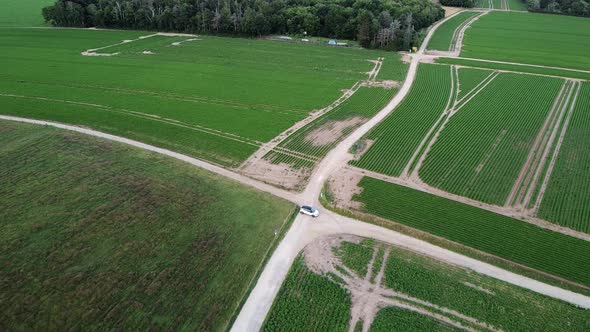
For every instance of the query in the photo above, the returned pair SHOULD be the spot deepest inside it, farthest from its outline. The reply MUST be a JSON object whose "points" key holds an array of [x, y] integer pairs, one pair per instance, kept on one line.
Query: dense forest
{"points": [[568, 7], [458, 3], [389, 24]]}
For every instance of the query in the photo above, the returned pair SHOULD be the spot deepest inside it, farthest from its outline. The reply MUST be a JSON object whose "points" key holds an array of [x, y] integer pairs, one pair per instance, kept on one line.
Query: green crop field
{"points": [[320, 136], [312, 302], [97, 235], [470, 78], [186, 97], [515, 68], [444, 36], [567, 198], [414, 118], [508, 238], [392, 68], [482, 149], [540, 39], [22, 12]]}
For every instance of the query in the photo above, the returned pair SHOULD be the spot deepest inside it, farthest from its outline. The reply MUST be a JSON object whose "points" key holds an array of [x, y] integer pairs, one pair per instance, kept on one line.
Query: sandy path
{"points": [[306, 229]]}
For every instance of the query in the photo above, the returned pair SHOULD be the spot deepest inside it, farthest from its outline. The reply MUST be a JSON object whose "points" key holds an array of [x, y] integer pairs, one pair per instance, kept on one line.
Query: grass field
{"points": [[100, 236], [567, 198], [482, 149], [444, 36], [309, 301], [22, 12], [391, 151], [508, 238], [185, 97], [550, 40]]}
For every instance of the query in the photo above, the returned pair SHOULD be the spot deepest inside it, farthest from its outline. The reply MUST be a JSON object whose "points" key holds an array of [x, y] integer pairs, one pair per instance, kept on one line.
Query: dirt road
{"points": [[306, 229]]}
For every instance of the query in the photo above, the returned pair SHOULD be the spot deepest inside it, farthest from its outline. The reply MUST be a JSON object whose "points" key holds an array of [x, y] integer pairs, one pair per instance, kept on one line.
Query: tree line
{"points": [[567, 7], [458, 3], [388, 24]]}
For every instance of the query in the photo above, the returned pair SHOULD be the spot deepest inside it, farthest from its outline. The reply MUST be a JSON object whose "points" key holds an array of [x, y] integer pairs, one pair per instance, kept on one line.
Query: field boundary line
{"points": [[294, 198], [551, 165], [419, 185], [474, 93], [156, 118], [477, 86], [523, 183], [517, 64], [433, 129], [549, 146]]}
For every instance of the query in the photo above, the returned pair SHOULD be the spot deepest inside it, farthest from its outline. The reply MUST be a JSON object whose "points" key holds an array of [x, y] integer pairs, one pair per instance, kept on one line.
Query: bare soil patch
{"points": [[343, 186], [331, 131], [367, 296], [385, 84], [281, 175], [450, 10]]}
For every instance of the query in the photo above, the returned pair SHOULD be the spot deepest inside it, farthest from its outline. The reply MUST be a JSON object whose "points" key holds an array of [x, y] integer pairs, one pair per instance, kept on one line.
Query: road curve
{"points": [[295, 198], [305, 229]]}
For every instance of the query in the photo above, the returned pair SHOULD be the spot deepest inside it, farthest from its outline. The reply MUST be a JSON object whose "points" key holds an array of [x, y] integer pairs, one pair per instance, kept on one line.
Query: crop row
{"points": [[567, 198], [442, 38], [392, 68], [482, 149], [308, 302], [321, 135], [205, 86], [400, 134], [502, 236], [469, 78], [302, 306], [278, 157], [530, 38]]}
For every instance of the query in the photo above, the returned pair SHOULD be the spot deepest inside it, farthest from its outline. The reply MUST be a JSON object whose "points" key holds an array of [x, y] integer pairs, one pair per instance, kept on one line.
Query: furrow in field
{"points": [[417, 159], [563, 197], [481, 152], [146, 116], [391, 151], [531, 171]]}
